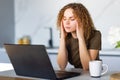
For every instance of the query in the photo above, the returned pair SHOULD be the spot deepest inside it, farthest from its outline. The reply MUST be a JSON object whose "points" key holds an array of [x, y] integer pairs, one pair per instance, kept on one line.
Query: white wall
{"points": [[32, 16]]}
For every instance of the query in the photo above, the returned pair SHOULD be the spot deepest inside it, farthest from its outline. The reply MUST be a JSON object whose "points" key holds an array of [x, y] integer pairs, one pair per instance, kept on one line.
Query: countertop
{"points": [[103, 52]]}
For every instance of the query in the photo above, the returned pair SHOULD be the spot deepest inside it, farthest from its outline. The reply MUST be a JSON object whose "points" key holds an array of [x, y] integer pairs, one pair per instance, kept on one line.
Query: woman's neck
{"points": [[74, 35]]}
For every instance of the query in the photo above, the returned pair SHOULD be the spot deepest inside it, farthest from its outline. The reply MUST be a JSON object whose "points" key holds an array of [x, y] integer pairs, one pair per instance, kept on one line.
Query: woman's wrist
{"points": [[81, 40], [62, 39]]}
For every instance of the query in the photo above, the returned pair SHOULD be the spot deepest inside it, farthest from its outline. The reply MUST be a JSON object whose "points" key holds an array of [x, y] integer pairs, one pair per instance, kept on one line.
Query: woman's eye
{"points": [[64, 19], [72, 19]]}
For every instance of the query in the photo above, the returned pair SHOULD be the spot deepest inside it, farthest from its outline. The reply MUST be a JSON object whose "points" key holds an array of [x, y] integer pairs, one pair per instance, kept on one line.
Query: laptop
{"points": [[33, 61]]}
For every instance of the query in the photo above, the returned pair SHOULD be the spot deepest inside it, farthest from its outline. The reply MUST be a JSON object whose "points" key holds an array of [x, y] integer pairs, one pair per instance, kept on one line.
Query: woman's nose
{"points": [[67, 21]]}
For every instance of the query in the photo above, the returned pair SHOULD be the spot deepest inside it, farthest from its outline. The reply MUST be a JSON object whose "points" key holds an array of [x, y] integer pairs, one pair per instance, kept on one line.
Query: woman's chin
{"points": [[68, 31]]}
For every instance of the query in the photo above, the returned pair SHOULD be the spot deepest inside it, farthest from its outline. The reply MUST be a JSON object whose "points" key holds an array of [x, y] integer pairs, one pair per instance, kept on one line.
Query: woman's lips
{"points": [[67, 27]]}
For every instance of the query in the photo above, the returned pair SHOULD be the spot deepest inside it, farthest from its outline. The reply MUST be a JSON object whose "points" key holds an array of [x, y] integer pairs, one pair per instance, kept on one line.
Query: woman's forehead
{"points": [[68, 12]]}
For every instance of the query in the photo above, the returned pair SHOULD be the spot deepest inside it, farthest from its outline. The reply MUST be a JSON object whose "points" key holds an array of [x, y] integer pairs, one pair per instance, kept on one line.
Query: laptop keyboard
{"points": [[66, 74]]}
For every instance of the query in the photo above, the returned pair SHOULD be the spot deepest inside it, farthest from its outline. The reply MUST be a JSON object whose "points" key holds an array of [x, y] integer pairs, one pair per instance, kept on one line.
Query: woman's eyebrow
{"points": [[69, 17]]}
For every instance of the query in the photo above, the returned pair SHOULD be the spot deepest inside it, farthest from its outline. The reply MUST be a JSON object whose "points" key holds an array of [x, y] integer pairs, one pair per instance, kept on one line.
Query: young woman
{"points": [[80, 42]]}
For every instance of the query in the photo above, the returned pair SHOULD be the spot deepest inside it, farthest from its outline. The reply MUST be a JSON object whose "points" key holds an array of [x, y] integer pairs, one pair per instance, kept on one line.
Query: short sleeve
{"points": [[95, 41]]}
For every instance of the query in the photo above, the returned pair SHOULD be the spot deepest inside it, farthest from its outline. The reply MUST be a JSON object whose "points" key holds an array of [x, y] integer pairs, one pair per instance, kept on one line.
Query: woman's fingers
{"points": [[79, 31], [63, 33]]}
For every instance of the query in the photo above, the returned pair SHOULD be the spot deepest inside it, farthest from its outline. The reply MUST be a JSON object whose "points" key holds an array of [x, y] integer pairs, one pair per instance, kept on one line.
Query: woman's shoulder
{"points": [[95, 40], [96, 32]]}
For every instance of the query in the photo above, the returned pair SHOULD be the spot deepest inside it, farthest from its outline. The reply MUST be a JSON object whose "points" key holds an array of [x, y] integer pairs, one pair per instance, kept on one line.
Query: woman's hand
{"points": [[63, 33], [79, 31]]}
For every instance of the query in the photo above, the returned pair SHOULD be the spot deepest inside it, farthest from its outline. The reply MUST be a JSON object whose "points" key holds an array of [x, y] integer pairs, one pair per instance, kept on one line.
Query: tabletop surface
{"points": [[11, 75]]}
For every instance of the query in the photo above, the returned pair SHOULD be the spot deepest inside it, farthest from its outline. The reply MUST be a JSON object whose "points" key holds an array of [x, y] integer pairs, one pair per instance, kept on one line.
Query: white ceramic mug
{"points": [[96, 68]]}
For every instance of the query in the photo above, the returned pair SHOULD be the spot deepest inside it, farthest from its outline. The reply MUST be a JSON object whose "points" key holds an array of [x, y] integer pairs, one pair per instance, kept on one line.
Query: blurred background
{"points": [[37, 19]]}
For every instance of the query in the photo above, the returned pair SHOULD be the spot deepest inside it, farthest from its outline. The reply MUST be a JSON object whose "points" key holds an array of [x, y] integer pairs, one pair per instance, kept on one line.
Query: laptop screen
{"points": [[30, 60]]}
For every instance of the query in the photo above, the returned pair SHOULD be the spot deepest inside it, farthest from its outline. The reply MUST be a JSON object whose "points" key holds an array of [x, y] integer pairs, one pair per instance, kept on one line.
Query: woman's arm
{"points": [[62, 57], [85, 54]]}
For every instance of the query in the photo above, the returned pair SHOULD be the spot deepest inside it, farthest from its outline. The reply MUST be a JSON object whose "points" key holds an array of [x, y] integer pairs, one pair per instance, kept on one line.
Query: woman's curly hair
{"points": [[82, 15]]}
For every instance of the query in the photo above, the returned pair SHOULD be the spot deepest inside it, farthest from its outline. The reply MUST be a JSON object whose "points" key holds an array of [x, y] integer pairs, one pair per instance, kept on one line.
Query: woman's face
{"points": [[69, 21]]}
